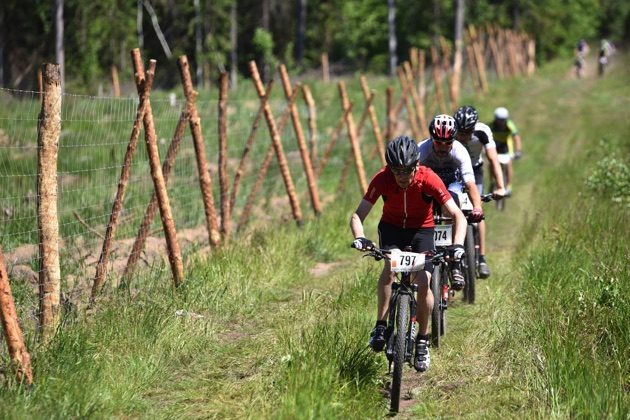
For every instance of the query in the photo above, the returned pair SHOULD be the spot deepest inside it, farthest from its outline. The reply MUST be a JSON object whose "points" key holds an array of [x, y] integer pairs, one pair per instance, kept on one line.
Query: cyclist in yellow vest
{"points": [[508, 141]]}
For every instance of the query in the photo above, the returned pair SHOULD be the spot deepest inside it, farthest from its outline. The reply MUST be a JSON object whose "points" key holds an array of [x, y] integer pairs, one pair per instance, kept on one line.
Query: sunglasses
{"points": [[402, 171], [443, 141]]}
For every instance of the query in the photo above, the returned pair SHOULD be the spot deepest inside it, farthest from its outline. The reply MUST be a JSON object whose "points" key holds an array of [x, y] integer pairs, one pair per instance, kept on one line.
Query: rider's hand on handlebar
{"points": [[362, 244], [518, 154], [476, 215], [456, 251]]}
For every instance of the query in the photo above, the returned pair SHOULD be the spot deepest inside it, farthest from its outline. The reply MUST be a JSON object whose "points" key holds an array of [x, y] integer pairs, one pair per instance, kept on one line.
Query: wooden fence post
{"points": [[422, 86], [12, 331], [226, 224], [333, 140], [411, 112], [494, 50], [312, 123], [144, 88], [325, 68], [531, 57], [373, 119], [101, 267], [48, 134], [416, 99], [299, 135], [437, 79], [262, 170], [152, 208], [248, 146], [354, 141], [115, 83], [481, 66], [277, 146], [205, 181], [389, 109]]}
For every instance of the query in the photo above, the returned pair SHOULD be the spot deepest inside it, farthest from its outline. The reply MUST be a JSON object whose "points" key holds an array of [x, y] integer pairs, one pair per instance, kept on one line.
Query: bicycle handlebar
{"points": [[381, 253]]}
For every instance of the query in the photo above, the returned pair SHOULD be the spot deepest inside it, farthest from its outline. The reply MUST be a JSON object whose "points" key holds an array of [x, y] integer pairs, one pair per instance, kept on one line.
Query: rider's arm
{"points": [[460, 221], [517, 142], [495, 166], [473, 193], [462, 157], [356, 221]]}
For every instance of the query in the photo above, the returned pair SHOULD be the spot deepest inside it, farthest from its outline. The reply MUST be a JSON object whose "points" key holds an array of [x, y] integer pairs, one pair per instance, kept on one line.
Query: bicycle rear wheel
{"points": [[471, 266], [436, 313], [400, 344]]}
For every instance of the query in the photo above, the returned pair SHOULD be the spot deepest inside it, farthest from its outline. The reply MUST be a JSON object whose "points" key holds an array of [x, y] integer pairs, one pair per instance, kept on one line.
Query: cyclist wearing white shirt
{"points": [[477, 138], [449, 159]]}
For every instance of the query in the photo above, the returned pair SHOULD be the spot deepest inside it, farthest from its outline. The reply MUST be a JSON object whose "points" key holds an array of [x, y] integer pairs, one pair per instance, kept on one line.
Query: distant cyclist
{"points": [[408, 192], [580, 54], [477, 137], [605, 50], [508, 141], [451, 162]]}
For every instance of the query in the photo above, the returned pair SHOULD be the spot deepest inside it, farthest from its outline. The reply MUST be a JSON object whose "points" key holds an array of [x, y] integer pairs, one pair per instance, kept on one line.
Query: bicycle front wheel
{"points": [[471, 266], [436, 313], [400, 347]]}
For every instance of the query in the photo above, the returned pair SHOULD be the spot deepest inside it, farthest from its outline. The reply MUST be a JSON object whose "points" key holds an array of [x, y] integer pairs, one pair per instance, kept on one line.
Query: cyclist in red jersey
{"points": [[408, 191]]}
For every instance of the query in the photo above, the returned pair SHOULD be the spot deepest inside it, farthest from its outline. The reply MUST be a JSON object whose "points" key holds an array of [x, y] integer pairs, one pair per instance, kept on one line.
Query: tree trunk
{"points": [[59, 54], [391, 20], [198, 44], [139, 26], [300, 29], [234, 46], [457, 59]]}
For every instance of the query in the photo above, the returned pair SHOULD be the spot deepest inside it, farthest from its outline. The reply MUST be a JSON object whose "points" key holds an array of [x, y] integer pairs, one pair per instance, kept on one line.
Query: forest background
{"points": [[224, 35]]}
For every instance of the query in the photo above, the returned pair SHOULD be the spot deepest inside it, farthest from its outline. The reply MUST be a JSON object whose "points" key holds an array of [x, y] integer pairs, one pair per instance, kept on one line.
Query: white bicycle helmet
{"points": [[501, 113]]}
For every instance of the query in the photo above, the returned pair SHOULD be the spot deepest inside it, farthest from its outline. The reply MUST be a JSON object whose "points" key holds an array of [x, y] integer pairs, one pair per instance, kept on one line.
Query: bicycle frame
{"points": [[402, 287]]}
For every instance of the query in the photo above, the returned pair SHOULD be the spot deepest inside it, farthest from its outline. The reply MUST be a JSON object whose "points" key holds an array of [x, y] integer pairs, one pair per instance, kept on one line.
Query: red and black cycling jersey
{"points": [[410, 207]]}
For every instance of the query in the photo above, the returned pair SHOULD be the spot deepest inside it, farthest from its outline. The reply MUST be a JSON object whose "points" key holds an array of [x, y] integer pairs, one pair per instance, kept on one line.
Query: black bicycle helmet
{"points": [[443, 128], [466, 117], [402, 152]]}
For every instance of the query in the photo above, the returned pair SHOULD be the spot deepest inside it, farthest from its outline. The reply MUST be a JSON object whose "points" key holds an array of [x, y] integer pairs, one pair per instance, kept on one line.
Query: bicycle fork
{"points": [[397, 290]]}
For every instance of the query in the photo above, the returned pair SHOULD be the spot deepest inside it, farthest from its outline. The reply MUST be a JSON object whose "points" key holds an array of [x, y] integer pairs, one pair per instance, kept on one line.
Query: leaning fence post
{"points": [[354, 141], [389, 109], [144, 88], [416, 99], [152, 208], [101, 267], [373, 119], [248, 146], [437, 79], [277, 145], [411, 112], [299, 134], [262, 170], [49, 131], [312, 123], [226, 218], [205, 182], [12, 331]]}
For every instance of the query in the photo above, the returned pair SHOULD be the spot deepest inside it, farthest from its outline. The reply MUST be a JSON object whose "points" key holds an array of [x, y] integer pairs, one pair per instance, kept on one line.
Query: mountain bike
{"points": [[471, 260], [401, 321], [504, 161]]}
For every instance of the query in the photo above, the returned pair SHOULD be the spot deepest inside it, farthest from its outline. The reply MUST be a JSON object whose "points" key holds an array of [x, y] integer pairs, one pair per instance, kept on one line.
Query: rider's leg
{"points": [[484, 269], [384, 291], [425, 301]]}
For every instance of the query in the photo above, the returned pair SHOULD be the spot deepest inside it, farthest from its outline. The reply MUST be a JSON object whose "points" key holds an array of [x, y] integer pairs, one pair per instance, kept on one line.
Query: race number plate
{"points": [[464, 201], [404, 262], [443, 235]]}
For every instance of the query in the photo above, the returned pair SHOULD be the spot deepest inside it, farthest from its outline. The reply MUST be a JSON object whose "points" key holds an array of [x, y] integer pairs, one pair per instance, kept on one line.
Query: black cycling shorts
{"points": [[503, 148], [420, 239]]}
